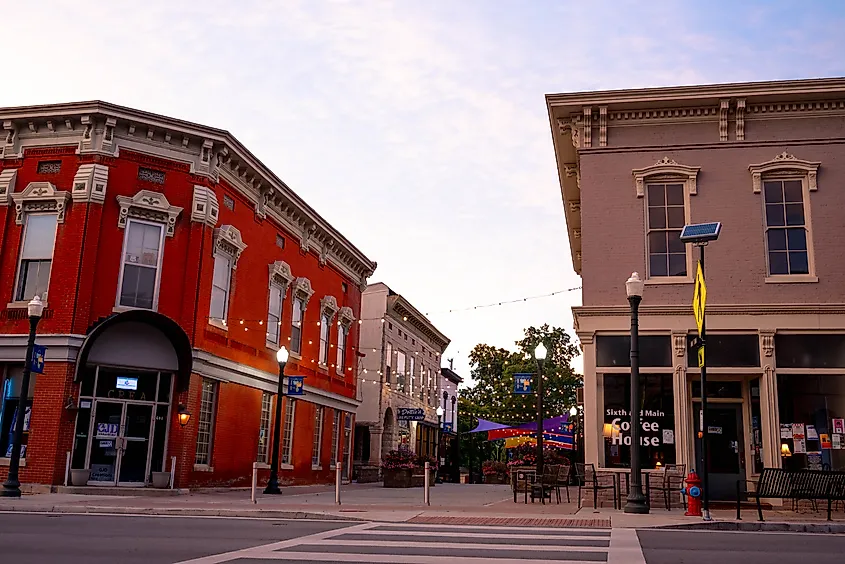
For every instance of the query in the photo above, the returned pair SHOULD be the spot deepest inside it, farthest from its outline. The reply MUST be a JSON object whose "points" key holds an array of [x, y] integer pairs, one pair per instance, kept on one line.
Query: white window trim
{"points": [[323, 349], [25, 301], [657, 280], [269, 342], [291, 405], [38, 197], [224, 322], [335, 437], [788, 167], [301, 290], [207, 466], [265, 460], [280, 276], [229, 244], [163, 229]]}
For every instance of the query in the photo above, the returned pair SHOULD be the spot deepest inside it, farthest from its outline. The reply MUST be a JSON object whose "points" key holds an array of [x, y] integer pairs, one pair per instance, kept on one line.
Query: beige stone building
{"points": [[400, 387], [767, 160]]}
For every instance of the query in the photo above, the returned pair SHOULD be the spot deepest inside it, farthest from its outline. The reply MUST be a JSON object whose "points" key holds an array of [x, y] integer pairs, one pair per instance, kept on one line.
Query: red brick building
{"points": [[173, 264]]}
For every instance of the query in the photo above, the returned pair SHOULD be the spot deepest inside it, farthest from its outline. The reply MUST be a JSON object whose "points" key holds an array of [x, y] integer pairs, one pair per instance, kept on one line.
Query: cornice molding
{"points": [[402, 309], [713, 309], [328, 306], [209, 151], [280, 274], [345, 317], [8, 178], [302, 289], [151, 206], [784, 162], [90, 184], [228, 240], [663, 168], [204, 207], [40, 196]]}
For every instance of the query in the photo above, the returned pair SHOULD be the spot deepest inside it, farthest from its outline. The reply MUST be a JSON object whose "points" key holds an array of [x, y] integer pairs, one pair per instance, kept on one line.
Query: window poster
{"points": [[785, 430], [812, 434], [836, 441], [839, 426], [798, 432], [825, 440], [800, 446], [814, 460]]}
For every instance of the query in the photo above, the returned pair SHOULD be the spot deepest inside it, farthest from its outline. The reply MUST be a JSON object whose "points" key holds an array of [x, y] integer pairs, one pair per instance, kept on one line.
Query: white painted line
{"points": [[408, 559], [170, 516], [264, 551], [497, 528], [462, 545], [625, 547], [497, 534]]}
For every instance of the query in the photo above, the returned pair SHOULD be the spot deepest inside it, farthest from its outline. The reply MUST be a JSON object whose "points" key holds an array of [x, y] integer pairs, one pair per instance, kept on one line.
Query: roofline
{"points": [[450, 375], [442, 341], [220, 135]]}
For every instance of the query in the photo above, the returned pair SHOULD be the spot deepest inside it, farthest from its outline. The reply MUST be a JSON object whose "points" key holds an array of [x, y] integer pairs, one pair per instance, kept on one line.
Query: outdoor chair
{"points": [[563, 478], [589, 479], [546, 483], [670, 481]]}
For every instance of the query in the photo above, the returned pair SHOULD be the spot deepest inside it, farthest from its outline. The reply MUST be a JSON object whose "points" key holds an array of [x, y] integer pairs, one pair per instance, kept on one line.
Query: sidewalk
{"points": [[475, 504]]}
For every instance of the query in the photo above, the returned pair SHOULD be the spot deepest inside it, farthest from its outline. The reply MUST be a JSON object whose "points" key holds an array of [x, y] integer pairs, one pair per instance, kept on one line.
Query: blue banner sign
{"points": [[522, 383], [447, 427], [296, 385], [37, 362], [410, 414]]}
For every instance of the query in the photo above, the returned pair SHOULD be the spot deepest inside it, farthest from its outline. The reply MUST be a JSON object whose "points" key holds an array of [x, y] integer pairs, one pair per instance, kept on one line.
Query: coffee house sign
{"points": [[654, 431]]}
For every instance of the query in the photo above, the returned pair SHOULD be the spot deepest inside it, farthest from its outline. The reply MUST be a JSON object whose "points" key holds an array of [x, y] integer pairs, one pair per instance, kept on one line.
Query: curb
{"points": [[757, 526], [179, 512]]}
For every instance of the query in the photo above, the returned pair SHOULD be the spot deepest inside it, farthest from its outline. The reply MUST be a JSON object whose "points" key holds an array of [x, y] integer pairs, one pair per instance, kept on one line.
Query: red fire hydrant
{"points": [[693, 493]]}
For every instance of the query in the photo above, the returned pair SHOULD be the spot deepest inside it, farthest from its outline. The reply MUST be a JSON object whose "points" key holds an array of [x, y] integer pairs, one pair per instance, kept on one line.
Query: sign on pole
{"points": [[37, 361], [296, 386], [701, 356], [699, 298], [447, 427], [522, 383]]}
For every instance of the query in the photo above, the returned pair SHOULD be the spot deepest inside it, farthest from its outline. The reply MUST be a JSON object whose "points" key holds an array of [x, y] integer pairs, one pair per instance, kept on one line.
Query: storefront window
{"points": [[812, 421], [756, 427], [615, 350], [726, 351], [810, 351], [657, 416], [11, 389]]}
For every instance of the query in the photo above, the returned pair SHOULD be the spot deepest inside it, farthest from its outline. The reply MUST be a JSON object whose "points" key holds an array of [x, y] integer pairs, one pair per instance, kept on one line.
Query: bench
{"points": [[795, 485]]}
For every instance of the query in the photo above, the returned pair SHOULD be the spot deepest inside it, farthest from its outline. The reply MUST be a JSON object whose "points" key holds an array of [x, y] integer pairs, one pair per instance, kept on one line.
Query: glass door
{"points": [[135, 444], [105, 443]]}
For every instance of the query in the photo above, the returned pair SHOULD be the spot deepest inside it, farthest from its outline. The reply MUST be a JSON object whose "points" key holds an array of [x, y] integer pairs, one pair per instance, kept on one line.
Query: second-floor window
{"points": [[221, 284], [141, 265], [296, 326], [411, 375], [36, 256], [400, 371], [786, 227], [342, 332], [667, 254], [274, 314], [325, 329], [388, 362]]}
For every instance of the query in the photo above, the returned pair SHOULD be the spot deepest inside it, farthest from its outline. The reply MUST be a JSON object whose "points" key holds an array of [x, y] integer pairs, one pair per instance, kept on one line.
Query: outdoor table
{"points": [[617, 477], [529, 477]]}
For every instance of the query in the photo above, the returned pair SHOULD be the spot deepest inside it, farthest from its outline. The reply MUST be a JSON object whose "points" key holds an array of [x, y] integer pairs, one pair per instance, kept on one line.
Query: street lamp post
{"points": [[12, 486], [540, 358], [439, 438], [636, 502], [273, 482]]}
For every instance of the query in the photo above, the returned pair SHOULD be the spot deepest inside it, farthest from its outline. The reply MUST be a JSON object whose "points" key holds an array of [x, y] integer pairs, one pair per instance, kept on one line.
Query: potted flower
{"points": [[495, 472], [397, 467]]}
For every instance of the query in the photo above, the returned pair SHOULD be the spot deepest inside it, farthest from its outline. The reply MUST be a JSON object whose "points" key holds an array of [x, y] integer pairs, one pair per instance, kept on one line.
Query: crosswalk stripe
{"points": [[408, 559], [495, 529], [501, 535], [460, 545]]}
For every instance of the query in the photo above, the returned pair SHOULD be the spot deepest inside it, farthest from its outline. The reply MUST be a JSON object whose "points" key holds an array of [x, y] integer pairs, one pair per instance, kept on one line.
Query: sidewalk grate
{"points": [[511, 521]]}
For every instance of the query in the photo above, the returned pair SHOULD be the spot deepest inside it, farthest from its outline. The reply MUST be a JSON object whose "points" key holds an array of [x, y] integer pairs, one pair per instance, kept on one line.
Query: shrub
{"points": [[494, 467], [398, 460], [422, 459]]}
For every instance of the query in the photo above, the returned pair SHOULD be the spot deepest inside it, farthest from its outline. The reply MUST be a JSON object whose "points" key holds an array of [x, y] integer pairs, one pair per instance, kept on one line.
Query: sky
{"points": [[418, 129]]}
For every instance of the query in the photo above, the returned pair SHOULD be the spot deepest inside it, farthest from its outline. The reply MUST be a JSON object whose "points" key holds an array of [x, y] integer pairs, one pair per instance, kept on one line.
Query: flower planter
{"points": [[495, 479], [161, 479], [397, 478], [418, 477], [79, 477], [513, 472]]}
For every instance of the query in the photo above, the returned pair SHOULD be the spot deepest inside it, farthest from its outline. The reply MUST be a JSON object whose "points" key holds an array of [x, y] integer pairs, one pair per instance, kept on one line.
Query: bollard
{"points": [[427, 494], [337, 478], [172, 472], [67, 466], [254, 482]]}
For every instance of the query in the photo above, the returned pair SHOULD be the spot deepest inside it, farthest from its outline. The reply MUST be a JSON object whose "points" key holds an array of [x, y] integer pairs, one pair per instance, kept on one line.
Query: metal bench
{"points": [[812, 485]]}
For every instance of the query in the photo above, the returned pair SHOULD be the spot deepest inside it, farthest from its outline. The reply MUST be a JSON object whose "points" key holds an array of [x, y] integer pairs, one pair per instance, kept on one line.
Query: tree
{"points": [[492, 396]]}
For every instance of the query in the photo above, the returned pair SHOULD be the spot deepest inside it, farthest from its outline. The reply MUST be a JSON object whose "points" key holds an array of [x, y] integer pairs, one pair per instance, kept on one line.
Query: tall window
{"points": [[429, 387], [10, 393], [274, 314], [342, 332], [335, 435], [287, 439], [141, 264], [36, 256], [221, 285], [264, 428], [296, 326], [388, 362], [400, 371], [786, 227], [316, 449], [667, 255], [205, 434], [411, 375], [423, 383], [325, 327]]}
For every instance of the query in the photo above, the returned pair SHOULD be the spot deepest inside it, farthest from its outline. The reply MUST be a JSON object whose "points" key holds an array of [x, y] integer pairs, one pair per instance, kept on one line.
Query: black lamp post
{"points": [[273, 482], [636, 502], [12, 486], [540, 358], [439, 439]]}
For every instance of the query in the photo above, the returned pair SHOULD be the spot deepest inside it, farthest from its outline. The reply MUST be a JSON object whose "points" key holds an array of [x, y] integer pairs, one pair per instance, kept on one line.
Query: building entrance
{"points": [[122, 426]]}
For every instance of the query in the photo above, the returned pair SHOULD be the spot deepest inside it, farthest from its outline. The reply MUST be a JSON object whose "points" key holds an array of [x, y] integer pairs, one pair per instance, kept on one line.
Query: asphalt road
{"points": [[705, 547], [95, 539]]}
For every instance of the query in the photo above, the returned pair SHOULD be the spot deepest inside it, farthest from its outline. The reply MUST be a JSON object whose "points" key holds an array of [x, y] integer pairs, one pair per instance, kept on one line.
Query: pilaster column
{"points": [[684, 440], [593, 403], [770, 420]]}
